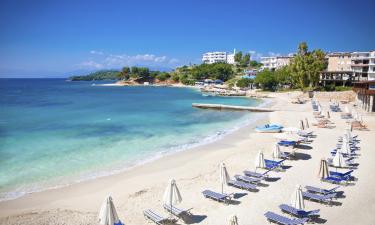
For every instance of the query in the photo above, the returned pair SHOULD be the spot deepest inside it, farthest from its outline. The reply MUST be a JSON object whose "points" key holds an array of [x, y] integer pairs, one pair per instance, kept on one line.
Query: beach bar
{"points": [[365, 91]]}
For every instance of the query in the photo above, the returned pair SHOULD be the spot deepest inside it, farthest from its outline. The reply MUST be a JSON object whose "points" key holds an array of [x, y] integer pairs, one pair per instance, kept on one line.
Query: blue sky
{"points": [[56, 38]]}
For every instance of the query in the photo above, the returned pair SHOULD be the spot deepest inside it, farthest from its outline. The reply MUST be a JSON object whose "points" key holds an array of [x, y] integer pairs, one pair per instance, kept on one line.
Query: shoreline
{"points": [[235, 134], [197, 169], [209, 139]]}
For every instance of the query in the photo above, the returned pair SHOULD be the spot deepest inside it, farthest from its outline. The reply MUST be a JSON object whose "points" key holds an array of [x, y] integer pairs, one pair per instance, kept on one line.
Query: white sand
{"points": [[196, 170]]}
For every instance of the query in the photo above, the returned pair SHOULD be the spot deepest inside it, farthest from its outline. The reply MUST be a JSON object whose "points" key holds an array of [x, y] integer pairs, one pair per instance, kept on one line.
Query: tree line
{"points": [[303, 71]]}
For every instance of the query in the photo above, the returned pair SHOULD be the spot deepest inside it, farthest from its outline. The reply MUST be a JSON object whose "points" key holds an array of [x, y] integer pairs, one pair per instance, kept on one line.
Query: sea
{"points": [[55, 133]]}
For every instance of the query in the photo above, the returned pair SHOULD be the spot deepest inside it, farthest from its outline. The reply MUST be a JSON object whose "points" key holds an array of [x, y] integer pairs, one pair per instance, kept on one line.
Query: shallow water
{"points": [[54, 132]]}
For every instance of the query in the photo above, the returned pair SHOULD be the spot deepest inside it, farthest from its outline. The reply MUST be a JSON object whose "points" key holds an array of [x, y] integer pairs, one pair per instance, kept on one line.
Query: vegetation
{"points": [[303, 71], [244, 83], [215, 71], [99, 75]]}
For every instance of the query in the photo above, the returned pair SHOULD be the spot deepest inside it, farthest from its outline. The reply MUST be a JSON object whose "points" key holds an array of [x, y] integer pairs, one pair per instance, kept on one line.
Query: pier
{"points": [[231, 107]]}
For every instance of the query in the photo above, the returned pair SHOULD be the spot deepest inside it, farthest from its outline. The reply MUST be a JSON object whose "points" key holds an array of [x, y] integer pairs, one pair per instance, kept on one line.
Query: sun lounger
{"points": [[338, 174], [299, 213], [319, 198], [276, 218], [242, 185], [154, 217], [287, 143], [247, 179], [337, 180], [321, 190], [176, 211], [255, 174], [216, 196], [268, 161]]}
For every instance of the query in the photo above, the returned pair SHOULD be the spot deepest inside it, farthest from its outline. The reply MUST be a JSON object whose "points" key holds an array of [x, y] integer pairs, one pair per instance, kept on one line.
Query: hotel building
{"points": [[339, 69], [218, 57], [275, 62]]}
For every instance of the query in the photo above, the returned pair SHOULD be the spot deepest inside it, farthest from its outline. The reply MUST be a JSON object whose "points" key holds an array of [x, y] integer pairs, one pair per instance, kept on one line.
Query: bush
{"points": [[163, 76], [243, 82], [267, 80]]}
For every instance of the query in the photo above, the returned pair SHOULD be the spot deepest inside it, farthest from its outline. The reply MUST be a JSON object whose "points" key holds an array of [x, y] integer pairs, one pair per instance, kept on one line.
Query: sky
{"points": [[61, 38]]}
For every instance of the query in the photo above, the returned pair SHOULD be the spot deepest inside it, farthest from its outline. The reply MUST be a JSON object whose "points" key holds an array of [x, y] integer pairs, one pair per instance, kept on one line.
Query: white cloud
{"points": [[94, 52], [255, 55], [274, 54], [91, 64]]}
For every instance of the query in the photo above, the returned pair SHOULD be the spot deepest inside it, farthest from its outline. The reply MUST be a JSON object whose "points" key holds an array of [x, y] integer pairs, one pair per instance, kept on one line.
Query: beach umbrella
{"points": [[323, 169], [259, 161], [291, 129], [172, 195], [276, 152], [108, 214], [345, 148], [233, 220], [288, 136], [224, 176], [302, 127], [338, 160], [297, 198], [347, 109], [328, 116], [307, 123]]}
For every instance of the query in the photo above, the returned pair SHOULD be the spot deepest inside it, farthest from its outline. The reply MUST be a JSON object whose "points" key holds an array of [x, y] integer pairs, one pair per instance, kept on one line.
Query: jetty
{"points": [[231, 107]]}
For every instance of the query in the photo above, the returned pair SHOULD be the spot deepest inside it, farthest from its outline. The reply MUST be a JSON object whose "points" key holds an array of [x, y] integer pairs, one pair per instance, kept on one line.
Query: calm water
{"points": [[54, 132]]}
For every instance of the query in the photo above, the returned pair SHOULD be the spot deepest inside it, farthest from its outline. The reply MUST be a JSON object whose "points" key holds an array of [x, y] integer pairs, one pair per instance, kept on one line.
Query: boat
{"points": [[269, 128]]}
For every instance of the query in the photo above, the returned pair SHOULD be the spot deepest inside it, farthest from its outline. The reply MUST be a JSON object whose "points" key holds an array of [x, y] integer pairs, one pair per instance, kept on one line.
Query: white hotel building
{"points": [[218, 57], [275, 62]]}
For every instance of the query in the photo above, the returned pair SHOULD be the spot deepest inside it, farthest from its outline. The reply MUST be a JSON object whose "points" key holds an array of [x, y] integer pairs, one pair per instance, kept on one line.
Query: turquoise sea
{"points": [[54, 132]]}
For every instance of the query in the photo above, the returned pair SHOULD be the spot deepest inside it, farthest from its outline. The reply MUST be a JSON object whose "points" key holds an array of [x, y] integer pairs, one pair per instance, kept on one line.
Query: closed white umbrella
{"points": [[338, 160], [347, 109], [307, 123], [301, 125], [323, 169], [276, 152], [233, 220], [172, 195], [345, 148], [297, 198], [224, 176], [108, 214], [259, 161]]}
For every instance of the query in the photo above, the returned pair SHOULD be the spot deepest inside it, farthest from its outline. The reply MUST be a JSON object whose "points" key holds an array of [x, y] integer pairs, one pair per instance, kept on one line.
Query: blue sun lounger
{"points": [[336, 180], [269, 161], [247, 179], [176, 211], [287, 143], [154, 217], [255, 174], [299, 213], [276, 218], [321, 190], [338, 174], [216, 196], [319, 198], [242, 185]]}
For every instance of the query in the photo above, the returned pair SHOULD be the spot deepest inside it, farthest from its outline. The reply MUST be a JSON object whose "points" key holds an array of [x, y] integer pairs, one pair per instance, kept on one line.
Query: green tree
{"points": [[163, 76], [238, 57], [266, 79], [244, 82], [245, 60], [124, 73]]}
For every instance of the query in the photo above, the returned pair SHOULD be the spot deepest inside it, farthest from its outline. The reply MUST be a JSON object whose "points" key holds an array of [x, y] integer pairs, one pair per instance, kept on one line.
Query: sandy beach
{"points": [[197, 169]]}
